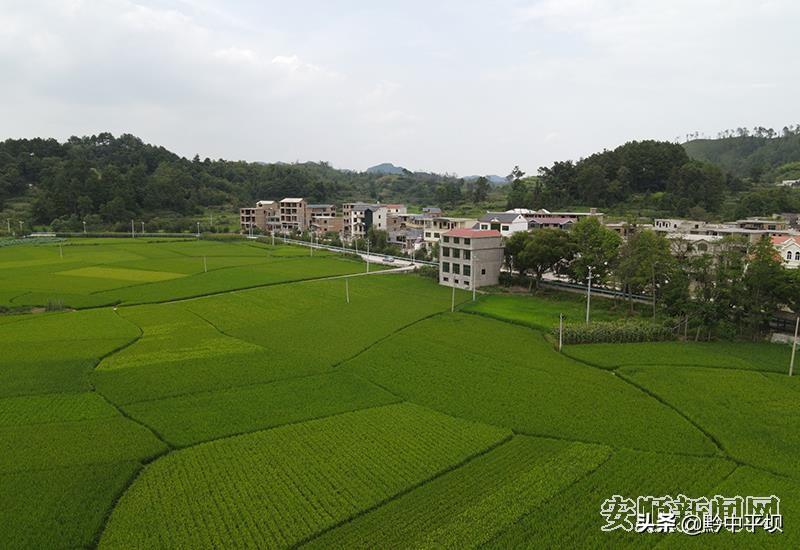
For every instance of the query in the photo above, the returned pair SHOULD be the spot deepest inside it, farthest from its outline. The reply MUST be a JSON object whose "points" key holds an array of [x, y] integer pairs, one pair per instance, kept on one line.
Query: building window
{"points": [[484, 226], [483, 272], [467, 271], [455, 281], [456, 253], [447, 239], [457, 269], [504, 227], [445, 251], [456, 240], [797, 256], [466, 241], [467, 254], [427, 234], [445, 279], [789, 255], [446, 267], [466, 283]]}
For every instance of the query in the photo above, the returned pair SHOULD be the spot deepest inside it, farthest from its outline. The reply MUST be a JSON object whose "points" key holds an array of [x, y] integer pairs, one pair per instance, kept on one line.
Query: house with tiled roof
{"points": [[788, 248], [507, 223]]}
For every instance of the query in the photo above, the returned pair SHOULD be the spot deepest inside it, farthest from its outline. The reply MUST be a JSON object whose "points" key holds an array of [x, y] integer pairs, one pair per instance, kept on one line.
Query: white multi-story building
{"points": [[434, 227]]}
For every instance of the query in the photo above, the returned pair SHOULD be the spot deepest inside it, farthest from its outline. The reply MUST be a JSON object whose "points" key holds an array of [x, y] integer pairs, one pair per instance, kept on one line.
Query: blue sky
{"points": [[463, 87]]}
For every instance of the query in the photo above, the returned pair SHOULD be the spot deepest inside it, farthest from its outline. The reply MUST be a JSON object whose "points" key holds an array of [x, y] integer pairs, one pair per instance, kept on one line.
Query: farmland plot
{"points": [[277, 487], [471, 504], [572, 519], [55, 353], [505, 375], [754, 417], [60, 507], [202, 416]]}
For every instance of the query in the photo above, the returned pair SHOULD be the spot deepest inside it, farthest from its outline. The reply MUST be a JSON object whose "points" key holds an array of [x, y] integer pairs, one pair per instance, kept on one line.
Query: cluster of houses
{"points": [[471, 249]]}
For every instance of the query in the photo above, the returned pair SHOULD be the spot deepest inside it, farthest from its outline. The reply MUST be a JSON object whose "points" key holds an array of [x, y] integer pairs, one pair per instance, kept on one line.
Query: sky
{"points": [[460, 86]]}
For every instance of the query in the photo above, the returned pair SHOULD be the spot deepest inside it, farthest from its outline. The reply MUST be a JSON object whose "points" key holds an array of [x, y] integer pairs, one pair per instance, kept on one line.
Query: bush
{"points": [[615, 332], [429, 272]]}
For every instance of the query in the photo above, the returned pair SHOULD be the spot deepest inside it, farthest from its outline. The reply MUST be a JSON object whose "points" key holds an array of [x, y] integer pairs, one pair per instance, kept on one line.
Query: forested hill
{"points": [[109, 180], [761, 154]]}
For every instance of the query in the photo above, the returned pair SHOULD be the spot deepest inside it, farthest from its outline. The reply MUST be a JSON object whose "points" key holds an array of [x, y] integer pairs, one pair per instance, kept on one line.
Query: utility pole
{"points": [[794, 346], [61, 250], [654, 291], [347, 289], [133, 231], [8, 225], [84, 227], [472, 274], [198, 230], [560, 331], [273, 236], [205, 265], [367, 253], [589, 295], [453, 299], [142, 227]]}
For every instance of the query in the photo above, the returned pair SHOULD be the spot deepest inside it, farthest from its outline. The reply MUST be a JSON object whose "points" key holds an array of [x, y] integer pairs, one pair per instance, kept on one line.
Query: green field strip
{"points": [[53, 408], [187, 420], [470, 504], [40, 447], [291, 482]]}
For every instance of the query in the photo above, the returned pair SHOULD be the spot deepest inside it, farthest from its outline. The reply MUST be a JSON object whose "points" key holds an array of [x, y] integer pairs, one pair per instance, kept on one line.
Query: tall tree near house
{"points": [[545, 250], [595, 246], [762, 285], [645, 263], [514, 246]]}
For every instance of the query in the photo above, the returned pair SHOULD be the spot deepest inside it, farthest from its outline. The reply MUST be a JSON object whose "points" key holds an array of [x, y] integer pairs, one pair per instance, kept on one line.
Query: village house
{"points": [[507, 223], [788, 248], [470, 258]]}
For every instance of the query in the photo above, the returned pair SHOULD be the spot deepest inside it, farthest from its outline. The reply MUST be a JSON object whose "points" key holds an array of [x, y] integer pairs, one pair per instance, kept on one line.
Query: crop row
{"points": [[278, 487]]}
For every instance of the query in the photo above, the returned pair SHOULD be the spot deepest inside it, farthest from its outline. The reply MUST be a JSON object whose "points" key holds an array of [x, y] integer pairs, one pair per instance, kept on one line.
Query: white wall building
{"points": [[788, 248], [507, 223]]}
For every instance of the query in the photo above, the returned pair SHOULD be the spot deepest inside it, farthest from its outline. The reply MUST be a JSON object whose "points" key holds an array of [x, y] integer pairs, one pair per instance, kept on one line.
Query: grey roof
{"points": [[502, 217], [320, 206]]}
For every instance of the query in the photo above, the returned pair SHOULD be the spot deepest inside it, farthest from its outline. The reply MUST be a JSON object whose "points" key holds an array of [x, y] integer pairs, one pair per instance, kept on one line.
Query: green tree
{"points": [[545, 250], [595, 245], [480, 189]]}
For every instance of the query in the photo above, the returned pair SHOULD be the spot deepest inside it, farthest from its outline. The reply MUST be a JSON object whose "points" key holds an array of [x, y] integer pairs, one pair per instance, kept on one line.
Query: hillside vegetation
{"points": [[760, 155]]}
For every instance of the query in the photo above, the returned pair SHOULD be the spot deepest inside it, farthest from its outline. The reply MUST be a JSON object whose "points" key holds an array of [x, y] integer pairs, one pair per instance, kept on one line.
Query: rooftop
{"points": [[289, 199], [320, 205], [552, 219], [472, 233], [500, 216]]}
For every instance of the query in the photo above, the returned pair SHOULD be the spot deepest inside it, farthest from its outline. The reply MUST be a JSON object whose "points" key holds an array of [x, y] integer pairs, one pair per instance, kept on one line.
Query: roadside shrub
{"points": [[615, 332], [429, 272]]}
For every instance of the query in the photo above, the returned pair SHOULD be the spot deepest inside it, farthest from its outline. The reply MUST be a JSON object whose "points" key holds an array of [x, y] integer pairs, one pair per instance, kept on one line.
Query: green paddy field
{"points": [[202, 394]]}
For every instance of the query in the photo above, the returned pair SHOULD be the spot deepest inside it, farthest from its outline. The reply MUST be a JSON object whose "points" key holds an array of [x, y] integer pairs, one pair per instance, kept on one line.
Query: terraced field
{"points": [[219, 409]]}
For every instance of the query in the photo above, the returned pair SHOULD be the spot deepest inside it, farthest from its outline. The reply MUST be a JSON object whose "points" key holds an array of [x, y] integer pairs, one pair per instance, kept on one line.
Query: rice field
{"points": [[205, 394]]}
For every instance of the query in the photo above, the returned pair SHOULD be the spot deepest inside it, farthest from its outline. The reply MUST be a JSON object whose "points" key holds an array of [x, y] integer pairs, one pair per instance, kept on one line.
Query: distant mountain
{"points": [[386, 168], [493, 179], [748, 156]]}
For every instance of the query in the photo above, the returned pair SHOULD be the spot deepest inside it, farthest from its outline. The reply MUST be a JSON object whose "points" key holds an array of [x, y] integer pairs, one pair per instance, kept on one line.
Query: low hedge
{"points": [[615, 332]]}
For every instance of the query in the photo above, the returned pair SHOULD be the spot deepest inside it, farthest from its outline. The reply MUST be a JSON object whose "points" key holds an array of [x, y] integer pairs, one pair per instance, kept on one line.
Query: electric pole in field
{"points": [[794, 346], [198, 230], [347, 289], [133, 231], [589, 295], [142, 227], [560, 331], [453, 299], [84, 227], [367, 253]]}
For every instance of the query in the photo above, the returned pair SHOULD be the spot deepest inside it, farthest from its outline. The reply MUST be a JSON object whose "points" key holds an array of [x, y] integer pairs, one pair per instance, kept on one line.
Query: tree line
{"points": [[733, 292], [108, 181]]}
